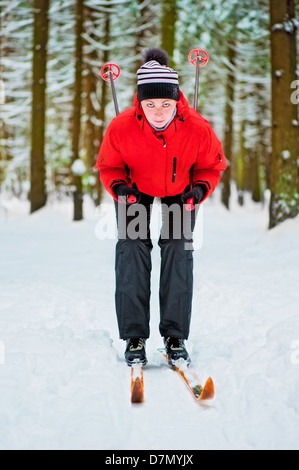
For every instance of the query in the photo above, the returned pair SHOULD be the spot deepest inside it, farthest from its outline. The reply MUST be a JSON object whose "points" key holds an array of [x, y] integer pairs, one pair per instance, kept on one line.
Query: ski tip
{"points": [[137, 395], [208, 392], [137, 388]]}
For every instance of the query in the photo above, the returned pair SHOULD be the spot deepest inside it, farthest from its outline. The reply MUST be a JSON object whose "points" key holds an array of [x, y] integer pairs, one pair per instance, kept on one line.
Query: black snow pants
{"points": [[133, 268]]}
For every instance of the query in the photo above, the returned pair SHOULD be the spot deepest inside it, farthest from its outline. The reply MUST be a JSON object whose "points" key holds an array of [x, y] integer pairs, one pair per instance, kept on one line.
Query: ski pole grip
{"points": [[131, 199], [190, 205]]}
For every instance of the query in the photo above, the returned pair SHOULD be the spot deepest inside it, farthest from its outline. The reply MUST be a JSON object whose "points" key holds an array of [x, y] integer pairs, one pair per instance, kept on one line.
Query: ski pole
{"points": [[199, 60], [109, 73]]}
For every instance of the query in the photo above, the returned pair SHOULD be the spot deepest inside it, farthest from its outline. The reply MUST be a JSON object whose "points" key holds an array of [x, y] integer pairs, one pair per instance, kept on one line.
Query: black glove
{"points": [[197, 193], [122, 192]]}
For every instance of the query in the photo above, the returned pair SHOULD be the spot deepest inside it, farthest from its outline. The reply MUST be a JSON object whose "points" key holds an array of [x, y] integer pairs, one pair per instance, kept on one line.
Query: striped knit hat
{"points": [[156, 79]]}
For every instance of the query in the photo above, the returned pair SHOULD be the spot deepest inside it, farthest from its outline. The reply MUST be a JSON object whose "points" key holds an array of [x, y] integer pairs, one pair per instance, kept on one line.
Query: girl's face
{"points": [[158, 111]]}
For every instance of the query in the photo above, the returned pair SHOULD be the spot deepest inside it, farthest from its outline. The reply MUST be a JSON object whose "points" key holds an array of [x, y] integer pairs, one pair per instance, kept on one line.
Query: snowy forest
{"points": [[55, 107]]}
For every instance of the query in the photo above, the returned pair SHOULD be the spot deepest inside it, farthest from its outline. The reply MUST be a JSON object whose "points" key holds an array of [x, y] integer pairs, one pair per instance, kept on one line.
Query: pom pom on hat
{"points": [[156, 79], [158, 55]]}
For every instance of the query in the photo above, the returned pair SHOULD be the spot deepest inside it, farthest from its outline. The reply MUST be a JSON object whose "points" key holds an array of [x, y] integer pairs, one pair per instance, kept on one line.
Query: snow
{"points": [[63, 381], [78, 167], [289, 26], [286, 154], [278, 27]]}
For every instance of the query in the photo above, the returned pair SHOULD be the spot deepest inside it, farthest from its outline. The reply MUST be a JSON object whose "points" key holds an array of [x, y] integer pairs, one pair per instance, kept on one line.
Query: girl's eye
{"points": [[150, 105], [166, 105]]}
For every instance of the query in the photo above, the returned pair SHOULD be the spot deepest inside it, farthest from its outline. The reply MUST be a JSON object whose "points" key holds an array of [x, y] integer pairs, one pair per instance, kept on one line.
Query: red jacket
{"points": [[160, 162]]}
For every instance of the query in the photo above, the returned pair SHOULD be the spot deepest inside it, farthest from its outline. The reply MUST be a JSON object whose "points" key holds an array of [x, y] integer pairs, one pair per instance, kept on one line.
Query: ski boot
{"points": [[135, 352], [175, 350]]}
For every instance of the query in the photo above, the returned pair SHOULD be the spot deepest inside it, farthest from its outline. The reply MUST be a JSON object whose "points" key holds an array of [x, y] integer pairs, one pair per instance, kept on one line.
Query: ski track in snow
{"points": [[64, 384]]}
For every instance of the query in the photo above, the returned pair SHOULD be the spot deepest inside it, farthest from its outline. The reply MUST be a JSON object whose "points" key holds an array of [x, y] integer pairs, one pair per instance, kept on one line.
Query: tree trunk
{"points": [[229, 124], [284, 180], [254, 164], [261, 145], [240, 163], [145, 29], [77, 110], [169, 17], [38, 196], [92, 105]]}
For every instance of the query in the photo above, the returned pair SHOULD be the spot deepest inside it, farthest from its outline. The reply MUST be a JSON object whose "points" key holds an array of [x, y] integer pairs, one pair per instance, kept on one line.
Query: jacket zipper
{"points": [[161, 136], [174, 169]]}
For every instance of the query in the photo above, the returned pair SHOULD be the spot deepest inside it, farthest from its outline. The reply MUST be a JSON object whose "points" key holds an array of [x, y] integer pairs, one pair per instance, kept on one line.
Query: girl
{"points": [[158, 148]]}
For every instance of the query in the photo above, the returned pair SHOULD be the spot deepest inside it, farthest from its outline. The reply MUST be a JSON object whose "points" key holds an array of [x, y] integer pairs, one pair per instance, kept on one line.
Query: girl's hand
{"points": [[126, 194], [197, 194]]}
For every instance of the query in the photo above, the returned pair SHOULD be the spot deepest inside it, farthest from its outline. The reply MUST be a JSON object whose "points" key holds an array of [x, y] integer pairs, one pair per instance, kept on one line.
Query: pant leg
{"points": [[176, 279], [133, 268]]}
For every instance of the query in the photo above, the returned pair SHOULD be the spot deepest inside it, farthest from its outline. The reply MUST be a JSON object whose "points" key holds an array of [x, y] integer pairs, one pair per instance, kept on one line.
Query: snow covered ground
{"points": [[63, 382]]}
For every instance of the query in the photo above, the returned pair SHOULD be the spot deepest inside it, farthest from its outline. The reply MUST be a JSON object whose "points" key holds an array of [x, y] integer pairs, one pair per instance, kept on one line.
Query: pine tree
{"points": [[168, 27], [93, 122], [285, 144], [77, 164], [38, 196], [16, 73], [60, 79], [228, 141]]}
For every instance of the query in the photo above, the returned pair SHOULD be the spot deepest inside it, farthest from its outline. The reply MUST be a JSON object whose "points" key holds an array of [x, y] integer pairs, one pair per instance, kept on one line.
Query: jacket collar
{"points": [[182, 114]]}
